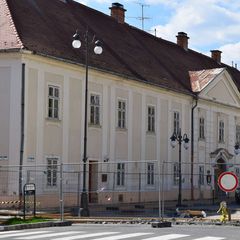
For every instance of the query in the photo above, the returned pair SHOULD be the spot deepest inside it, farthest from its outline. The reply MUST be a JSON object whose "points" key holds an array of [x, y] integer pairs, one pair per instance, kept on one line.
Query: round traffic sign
{"points": [[228, 181]]}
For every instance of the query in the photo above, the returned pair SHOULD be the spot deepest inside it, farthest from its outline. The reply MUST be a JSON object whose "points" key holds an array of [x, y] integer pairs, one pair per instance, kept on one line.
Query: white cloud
{"points": [[231, 54], [169, 3], [206, 22]]}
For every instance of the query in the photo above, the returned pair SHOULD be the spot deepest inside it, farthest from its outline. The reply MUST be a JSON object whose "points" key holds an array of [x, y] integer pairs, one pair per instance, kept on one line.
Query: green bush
{"points": [[18, 220]]}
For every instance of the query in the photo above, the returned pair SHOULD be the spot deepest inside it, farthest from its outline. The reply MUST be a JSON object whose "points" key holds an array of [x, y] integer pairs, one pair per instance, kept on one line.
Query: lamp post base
{"points": [[84, 211]]}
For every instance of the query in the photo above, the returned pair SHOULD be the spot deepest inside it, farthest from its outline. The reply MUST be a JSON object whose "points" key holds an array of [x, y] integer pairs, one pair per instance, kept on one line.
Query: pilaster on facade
{"points": [[207, 136], [112, 139], [231, 133], [105, 123], [83, 89], [169, 165], [185, 152], [143, 130], [198, 146], [195, 133], [15, 110], [65, 120], [130, 124], [143, 135], [211, 130], [40, 117], [26, 100], [158, 129]]}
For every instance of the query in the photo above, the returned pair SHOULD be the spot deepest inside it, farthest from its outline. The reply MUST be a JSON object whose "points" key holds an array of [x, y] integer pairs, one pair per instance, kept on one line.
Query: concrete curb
{"points": [[235, 224], [161, 224], [35, 225], [156, 222]]}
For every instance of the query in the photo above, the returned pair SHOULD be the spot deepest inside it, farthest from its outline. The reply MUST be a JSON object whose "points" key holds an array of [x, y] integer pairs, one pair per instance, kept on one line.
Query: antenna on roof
{"points": [[153, 31], [142, 18]]}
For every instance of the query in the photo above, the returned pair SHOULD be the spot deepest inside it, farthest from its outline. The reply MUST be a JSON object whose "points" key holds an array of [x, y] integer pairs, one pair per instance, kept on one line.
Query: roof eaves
{"points": [[10, 50], [192, 94]]}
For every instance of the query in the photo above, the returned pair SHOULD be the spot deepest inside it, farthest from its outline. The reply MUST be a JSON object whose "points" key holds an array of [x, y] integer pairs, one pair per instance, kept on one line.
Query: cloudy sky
{"points": [[210, 24]]}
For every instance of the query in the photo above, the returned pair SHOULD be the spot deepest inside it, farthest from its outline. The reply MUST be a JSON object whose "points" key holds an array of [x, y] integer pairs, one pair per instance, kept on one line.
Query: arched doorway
{"points": [[220, 168], [220, 158]]}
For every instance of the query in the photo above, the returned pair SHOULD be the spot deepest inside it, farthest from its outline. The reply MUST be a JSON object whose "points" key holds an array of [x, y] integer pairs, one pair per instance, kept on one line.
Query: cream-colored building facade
{"points": [[62, 138], [139, 95]]}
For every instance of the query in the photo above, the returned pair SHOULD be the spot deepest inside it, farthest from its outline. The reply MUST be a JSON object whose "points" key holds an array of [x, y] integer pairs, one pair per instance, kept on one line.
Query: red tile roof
{"points": [[46, 27], [8, 36], [200, 79]]}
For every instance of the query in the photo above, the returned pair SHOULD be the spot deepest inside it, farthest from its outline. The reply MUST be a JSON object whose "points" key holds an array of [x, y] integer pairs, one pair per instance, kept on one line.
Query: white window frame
{"points": [[201, 175], [202, 128], [95, 109], [53, 112], [176, 121], [150, 174], [52, 171], [121, 113], [121, 168], [151, 118], [221, 131], [175, 173]]}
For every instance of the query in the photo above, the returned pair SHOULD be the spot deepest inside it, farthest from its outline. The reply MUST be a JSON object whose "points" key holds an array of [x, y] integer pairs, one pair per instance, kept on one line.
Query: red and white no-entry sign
{"points": [[228, 181]]}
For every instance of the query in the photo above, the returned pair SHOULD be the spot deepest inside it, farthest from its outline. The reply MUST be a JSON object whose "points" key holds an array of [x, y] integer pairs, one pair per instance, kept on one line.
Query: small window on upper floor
{"points": [[53, 102], [221, 131], [151, 119], [201, 128], [121, 111], [176, 122], [94, 109], [238, 134]]}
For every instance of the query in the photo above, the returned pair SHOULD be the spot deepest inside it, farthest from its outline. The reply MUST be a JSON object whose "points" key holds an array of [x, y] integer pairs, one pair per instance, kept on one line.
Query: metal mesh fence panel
{"points": [[113, 189]]}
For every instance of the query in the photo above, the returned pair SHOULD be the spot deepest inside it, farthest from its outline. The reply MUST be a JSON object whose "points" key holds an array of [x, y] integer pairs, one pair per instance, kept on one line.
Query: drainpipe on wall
{"points": [[22, 135], [192, 146]]}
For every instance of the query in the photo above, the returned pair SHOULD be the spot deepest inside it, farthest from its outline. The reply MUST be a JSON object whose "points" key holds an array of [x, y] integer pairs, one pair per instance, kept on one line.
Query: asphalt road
{"points": [[124, 231]]}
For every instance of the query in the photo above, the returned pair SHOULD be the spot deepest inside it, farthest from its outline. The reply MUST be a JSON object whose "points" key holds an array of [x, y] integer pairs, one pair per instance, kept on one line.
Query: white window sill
{"points": [[121, 129], [91, 125]]}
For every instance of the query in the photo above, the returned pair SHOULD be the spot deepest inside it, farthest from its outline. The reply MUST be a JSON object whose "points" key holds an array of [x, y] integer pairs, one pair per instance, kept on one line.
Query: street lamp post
{"points": [[178, 138], [97, 50]]}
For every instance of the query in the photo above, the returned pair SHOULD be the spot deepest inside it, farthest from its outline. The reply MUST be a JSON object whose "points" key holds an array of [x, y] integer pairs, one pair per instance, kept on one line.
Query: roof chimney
{"points": [[118, 12], [182, 40], [216, 55]]}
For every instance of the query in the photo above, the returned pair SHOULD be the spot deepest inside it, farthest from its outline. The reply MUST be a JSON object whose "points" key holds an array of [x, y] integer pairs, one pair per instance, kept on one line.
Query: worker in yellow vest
{"points": [[224, 211]]}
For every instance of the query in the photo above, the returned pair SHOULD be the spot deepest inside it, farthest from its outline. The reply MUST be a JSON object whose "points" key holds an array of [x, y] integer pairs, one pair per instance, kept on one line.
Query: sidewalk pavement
{"points": [[169, 213], [211, 210]]}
